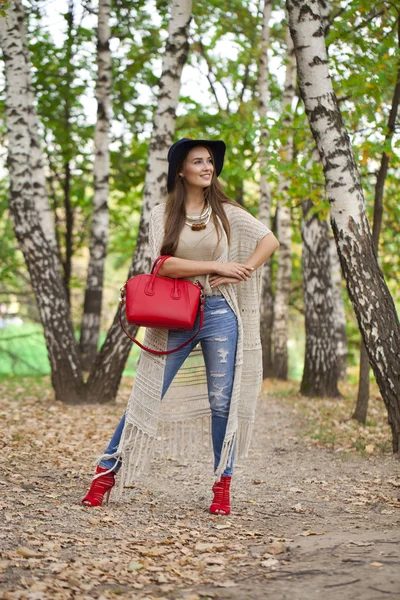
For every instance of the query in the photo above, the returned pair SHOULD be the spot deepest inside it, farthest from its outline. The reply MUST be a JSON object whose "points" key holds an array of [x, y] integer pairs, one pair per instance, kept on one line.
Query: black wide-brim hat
{"points": [[182, 147]]}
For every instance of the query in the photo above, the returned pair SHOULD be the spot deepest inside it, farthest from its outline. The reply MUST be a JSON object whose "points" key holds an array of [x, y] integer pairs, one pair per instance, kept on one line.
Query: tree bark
{"points": [[39, 198], [321, 369], [107, 369], [90, 327], [338, 312], [69, 214], [284, 228], [39, 256], [320, 374], [361, 410], [267, 299], [371, 299]]}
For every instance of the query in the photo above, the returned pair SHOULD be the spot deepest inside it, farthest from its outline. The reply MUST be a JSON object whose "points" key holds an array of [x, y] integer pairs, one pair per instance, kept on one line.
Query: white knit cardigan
{"points": [[180, 424]]}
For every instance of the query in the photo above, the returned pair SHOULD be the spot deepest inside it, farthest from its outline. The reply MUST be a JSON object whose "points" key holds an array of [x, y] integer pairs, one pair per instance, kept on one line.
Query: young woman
{"points": [[217, 377]]}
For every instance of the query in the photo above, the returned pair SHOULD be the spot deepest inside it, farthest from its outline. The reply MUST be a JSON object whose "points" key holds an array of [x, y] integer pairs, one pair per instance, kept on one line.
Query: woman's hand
{"points": [[237, 271], [216, 280]]}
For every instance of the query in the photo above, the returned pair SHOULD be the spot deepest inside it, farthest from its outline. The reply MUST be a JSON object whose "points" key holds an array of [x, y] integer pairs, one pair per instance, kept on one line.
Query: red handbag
{"points": [[163, 303]]}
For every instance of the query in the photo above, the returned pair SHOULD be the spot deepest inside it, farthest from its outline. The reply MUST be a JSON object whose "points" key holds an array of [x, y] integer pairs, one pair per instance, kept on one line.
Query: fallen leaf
{"points": [[134, 566], [360, 543], [226, 584], [270, 562], [276, 548], [213, 560], [298, 508], [28, 553], [204, 546], [393, 482]]}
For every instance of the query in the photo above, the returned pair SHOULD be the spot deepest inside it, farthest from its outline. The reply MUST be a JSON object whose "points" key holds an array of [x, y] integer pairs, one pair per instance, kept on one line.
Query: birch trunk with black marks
{"points": [[338, 312], [321, 362], [107, 369], [267, 299], [371, 299], [36, 161], [320, 374], [284, 229], [90, 327], [361, 410], [39, 256], [68, 209]]}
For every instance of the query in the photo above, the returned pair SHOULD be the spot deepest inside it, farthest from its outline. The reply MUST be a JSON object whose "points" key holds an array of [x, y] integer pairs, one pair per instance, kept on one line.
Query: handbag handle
{"points": [[154, 271]]}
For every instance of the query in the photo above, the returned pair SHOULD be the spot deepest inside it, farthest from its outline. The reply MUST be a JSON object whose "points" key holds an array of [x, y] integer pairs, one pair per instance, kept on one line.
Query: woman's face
{"points": [[197, 169]]}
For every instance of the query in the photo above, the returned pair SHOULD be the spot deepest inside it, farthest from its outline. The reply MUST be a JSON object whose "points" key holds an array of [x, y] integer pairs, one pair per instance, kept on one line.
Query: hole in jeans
{"points": [[223, 355]]}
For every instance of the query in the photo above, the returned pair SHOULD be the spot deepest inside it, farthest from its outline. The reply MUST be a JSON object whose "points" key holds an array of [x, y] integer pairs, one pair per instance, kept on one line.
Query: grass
{"points": [[23, 352], [327, 422]]}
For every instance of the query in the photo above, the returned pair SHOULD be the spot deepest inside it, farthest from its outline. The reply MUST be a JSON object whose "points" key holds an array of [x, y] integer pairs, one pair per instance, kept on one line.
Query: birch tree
{"points": [[39, 195], [371, 299], [107, 369], [338, 313], [267, 299], [90, 327], [361, 409], [320, 374], [321, 369], [39, 255], [283, 227]]}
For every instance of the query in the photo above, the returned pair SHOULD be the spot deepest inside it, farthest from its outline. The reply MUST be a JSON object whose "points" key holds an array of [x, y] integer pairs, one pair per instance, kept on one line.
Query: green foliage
{"points": [[23, 352], [364, 51], [224, 54]]}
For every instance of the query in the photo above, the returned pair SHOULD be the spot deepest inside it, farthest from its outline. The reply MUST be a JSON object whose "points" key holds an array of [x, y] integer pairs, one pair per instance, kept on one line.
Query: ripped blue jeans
{"points": [[218, 339]]}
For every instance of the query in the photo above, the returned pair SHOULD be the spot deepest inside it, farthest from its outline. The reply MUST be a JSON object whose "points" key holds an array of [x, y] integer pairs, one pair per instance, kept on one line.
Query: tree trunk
{"points": [[39, 195], [372, 302], [107, 369], [90, 327], [39, 256], [320, 374], [361, 409], [69, 214], [339, 315], [321, 369], [284, 228], [267, 299]]}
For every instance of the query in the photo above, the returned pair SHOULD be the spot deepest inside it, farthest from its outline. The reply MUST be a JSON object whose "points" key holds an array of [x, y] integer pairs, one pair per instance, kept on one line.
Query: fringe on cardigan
{"points": [[176, 439]]}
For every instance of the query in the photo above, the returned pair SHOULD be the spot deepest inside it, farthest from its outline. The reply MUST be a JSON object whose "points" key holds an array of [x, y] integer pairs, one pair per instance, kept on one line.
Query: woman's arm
{"points": [[263, 252], [181, 268], [265, 249]]}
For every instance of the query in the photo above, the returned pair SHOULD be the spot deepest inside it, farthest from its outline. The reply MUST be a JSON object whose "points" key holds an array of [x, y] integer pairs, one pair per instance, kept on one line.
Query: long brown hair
{"points": [[175, 214]]}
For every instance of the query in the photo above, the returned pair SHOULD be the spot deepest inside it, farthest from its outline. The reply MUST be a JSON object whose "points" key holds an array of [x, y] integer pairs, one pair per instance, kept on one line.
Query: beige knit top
{"points": [[201, 245]]}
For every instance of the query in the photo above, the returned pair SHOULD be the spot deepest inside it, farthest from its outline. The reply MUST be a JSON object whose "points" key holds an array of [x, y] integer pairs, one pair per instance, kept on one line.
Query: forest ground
{"points": [[316, 509]]}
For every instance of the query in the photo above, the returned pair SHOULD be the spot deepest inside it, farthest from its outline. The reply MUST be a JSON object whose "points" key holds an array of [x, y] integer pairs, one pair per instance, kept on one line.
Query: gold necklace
{"points": [[199, 222]]}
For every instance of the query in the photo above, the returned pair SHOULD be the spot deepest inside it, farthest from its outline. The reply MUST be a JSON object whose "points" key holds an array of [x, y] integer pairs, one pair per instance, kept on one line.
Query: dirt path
{"points": [[307, 523]]}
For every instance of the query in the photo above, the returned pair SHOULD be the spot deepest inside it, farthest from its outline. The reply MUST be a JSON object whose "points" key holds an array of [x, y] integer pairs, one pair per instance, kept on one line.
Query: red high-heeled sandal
{"points": [[221, 503], [100, 488]]}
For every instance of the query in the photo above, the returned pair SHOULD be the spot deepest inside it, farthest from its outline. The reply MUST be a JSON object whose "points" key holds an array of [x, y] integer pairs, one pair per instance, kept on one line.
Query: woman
{"points": [[212, 239]]}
